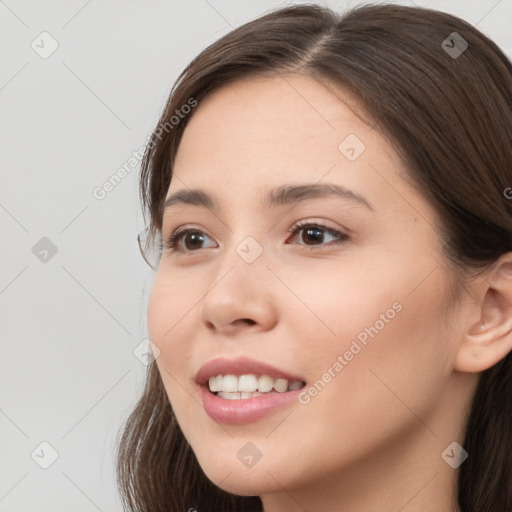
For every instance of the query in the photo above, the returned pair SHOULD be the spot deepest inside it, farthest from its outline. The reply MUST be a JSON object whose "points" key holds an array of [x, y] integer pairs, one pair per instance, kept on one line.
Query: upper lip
{"points": [[240, 366]]}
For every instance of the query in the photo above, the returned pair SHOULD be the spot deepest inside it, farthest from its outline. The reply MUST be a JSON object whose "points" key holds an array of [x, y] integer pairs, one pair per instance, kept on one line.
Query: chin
{"points": [[233, 477], [243, 485]]}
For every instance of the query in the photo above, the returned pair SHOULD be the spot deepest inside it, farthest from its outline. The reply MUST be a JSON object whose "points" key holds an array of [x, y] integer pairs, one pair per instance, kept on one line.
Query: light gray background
{"points": [[69, 326]]}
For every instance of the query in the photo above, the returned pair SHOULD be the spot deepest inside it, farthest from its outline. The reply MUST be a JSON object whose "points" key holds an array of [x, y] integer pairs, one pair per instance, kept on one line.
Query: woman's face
{"points": [[358, 313]]}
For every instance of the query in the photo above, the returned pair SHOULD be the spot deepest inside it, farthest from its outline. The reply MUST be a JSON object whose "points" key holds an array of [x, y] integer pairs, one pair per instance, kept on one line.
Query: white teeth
{"points": [[215, 383], [236, 396], [265, 384], [247, 383], [281, 385], [246, 386], [230, 383], [249, 395], [229, 396]]}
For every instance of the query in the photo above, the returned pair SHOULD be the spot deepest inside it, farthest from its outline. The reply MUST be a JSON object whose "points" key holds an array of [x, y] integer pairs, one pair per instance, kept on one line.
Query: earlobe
{"points": [[489, 339]]}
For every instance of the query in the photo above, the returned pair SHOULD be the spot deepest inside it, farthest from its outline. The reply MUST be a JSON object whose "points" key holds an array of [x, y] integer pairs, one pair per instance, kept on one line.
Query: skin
{"points": [[372, 439]]}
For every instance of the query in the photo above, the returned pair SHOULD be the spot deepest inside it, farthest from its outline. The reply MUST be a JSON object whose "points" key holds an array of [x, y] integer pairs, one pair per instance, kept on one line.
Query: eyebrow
{"points": [[282, 195]]}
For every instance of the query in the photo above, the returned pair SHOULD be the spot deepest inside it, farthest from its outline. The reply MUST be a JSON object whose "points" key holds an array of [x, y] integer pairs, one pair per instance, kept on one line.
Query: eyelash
{"points": [[172, 242]]}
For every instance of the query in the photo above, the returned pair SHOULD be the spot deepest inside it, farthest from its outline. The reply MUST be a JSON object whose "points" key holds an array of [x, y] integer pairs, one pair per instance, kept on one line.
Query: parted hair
{"points": [[448, 114]]}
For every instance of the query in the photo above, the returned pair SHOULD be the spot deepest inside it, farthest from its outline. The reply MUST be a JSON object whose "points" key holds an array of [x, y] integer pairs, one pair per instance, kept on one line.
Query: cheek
{"points": [[369, 326], [170, 311], [160, 316], [368, 390], [168, 320]]}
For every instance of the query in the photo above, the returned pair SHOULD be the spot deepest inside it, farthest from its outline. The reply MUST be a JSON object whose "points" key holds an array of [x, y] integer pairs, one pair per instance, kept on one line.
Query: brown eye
{"points": [[316, 233], [192, 239]]}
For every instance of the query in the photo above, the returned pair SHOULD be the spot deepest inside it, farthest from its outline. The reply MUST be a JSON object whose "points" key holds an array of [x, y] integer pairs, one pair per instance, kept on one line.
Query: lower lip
{"points": [[245, 410]]}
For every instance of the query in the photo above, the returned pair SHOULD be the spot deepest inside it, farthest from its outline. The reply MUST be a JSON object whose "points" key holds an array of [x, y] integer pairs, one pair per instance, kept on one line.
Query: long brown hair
{"points": [[447, 110]]}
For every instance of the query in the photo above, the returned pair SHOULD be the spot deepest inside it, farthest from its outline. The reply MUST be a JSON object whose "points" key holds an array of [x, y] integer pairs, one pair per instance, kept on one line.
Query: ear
{"points": [[489, 339]]}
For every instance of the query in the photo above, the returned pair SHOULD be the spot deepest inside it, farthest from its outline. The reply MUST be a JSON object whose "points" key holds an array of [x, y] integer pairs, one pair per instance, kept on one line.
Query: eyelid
{"points": [[177, 235], [297, 227]]}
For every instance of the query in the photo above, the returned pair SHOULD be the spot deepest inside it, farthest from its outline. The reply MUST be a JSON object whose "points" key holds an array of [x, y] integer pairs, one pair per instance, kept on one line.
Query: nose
{"points": [[240, 297]]}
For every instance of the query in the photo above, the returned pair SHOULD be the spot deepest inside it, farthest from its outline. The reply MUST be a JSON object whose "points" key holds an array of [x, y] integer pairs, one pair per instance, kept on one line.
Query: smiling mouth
{"points": [[233, 387]]}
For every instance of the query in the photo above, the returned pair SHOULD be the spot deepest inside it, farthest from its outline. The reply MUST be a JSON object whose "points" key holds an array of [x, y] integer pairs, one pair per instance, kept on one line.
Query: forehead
{"points": [[281, 125], [280, 112]]}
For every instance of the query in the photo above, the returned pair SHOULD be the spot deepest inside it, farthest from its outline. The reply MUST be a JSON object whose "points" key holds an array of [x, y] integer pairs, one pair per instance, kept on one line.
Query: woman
{"points": [[331, 312]]}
